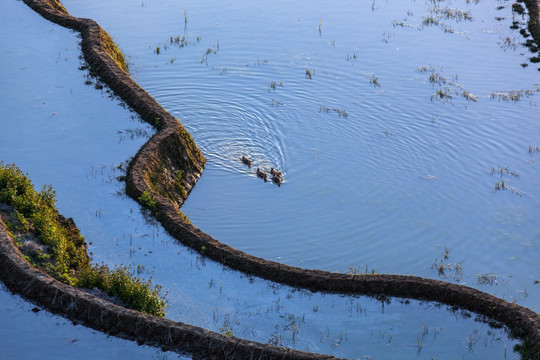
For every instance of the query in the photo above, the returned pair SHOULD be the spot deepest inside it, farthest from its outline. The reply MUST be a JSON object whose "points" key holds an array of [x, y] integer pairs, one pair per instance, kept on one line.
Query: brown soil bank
{"points": [[168, 165], [82, 307], [534, 18]]}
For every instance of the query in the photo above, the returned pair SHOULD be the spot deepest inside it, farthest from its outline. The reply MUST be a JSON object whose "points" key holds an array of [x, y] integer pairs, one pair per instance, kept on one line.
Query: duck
{"points": [[261, 174], [276, 172], [246, 160], [277, 179]]}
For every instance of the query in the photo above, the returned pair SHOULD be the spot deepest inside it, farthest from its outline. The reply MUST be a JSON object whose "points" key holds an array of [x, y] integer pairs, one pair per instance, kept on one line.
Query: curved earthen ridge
{"points": [[92, 311], [534, 19], [153, 170]]}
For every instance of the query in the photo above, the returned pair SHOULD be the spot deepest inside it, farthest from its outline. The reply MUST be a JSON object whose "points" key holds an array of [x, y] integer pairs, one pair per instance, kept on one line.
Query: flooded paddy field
{"points": [[398, 157]]}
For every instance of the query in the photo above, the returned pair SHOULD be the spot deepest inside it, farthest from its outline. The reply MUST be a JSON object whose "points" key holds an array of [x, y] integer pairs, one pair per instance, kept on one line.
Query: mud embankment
{"points": [[166, 168], [92, 311], [534, 19]]}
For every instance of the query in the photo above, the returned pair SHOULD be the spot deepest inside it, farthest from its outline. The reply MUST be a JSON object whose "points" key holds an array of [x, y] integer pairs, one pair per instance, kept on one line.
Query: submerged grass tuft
{"points": [[442, 94], [469, 96], [486, 279], [502, 185], [373, 80], [273, 85], [502, 171], [340, 112], [446, 269], [512, 95], [448, 87]]}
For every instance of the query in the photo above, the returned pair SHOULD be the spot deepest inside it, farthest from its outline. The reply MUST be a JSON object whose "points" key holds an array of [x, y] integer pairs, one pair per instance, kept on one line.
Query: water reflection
{"points": [[53, 337], [302, 142]]}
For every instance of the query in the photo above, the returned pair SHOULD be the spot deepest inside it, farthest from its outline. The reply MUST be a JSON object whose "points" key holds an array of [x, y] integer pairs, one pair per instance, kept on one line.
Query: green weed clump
{"points": [[148, 201], [53, 243], [113, 51], [57, 5], [179, 181], [121, 283], [35, 212]]}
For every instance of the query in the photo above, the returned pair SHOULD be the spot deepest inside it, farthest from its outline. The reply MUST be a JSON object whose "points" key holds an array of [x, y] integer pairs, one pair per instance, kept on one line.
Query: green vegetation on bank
{"points": [[148, 201], [56, 244], [113, 51], [166, 182], [121, 283], [57, 5], [53, 243]]}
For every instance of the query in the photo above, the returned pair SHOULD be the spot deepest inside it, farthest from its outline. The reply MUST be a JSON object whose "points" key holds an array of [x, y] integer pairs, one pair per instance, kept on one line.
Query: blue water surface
{"points": [[403, 177], [391, 186]]}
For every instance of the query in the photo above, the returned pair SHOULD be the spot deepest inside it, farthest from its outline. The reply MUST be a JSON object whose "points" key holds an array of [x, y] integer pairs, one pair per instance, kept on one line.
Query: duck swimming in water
{"points": [[246, 160], [262, 174], [277, 179], [276, 172]]}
